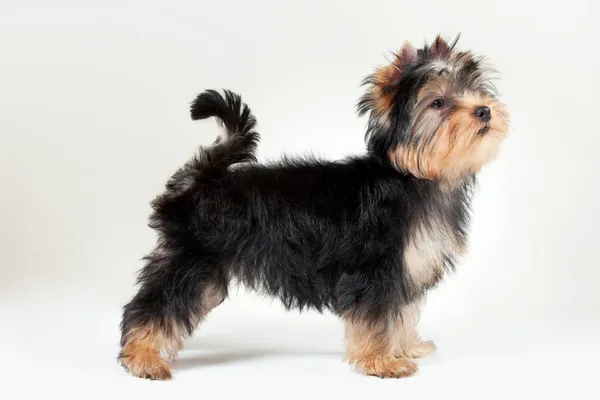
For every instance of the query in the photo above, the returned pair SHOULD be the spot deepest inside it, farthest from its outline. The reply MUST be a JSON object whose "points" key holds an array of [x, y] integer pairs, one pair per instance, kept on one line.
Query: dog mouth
{"points": [[483, 130]]}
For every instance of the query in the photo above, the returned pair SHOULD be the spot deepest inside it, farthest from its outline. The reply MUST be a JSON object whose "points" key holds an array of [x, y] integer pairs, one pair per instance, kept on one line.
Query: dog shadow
{"points": [[211, 352]]}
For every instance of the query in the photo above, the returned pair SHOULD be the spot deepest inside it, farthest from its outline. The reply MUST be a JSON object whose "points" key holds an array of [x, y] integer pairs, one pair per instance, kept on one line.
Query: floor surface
{"points": [[264, 352]]}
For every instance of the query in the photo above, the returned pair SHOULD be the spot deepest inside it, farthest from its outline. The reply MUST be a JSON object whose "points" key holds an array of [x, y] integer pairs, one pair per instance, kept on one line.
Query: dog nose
{"points": [[483, 113]]}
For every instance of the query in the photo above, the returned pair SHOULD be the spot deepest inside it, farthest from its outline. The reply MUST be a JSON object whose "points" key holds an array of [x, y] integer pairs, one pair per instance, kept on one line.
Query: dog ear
{"points": [[406, 55], [440, 48]]}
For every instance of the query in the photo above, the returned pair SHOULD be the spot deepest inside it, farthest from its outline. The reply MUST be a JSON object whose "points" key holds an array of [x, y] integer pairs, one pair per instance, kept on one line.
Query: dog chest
{"points": [[430, 244]]}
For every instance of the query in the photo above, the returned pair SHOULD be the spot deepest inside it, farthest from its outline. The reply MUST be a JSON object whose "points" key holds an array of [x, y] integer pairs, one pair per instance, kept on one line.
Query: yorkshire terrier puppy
{"points": [[364, 237]]}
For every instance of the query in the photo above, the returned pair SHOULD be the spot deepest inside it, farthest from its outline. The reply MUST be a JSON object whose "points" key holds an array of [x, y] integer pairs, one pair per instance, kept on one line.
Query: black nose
{"points": [[483, 113]]}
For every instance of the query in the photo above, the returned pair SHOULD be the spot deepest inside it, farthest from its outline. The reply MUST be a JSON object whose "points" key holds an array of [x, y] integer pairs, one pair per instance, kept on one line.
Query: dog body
{"points": [[363, 237]]}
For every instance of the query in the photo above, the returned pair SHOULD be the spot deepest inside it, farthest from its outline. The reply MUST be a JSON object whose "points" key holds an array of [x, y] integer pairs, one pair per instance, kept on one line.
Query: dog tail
{"points": [[240, 139]]}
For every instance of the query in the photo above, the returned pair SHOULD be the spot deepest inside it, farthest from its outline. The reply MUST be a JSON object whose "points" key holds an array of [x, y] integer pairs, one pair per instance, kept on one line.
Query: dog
{"points": [[364, 237]]}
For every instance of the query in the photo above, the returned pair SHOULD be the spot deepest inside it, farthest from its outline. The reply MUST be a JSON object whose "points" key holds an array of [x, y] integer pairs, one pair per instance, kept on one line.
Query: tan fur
{"points": [[457, 148], [370, 349], [426, 249], [452, 148], [424, 259], [141, 354], [382, 102], [406, 339], [211, 297]]}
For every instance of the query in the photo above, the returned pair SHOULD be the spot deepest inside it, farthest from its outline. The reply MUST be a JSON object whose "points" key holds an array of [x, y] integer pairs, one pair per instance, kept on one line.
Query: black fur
{"points": [[326, 235]]}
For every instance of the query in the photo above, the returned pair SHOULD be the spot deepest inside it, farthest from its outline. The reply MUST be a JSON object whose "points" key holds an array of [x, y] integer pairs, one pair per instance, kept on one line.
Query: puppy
{"points": [[364, 237]]}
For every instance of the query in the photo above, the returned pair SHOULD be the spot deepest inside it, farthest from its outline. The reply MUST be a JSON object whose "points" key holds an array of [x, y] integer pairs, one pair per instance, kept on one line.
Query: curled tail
{"points": [[240, 140]]}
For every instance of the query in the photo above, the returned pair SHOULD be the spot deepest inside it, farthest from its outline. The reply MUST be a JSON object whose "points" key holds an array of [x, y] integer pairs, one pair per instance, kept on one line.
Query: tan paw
{"points": [[145, 364], [419, 349], [388, 367]]}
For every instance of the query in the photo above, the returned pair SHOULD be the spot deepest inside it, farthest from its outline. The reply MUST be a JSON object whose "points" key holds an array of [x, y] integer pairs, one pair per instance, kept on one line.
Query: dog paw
{"points": [[419, 349], [147, 365], [388, 367]]}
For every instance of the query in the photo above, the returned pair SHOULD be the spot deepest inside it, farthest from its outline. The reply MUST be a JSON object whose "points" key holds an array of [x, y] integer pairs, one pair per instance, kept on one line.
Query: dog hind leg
{"points": [[177, 291]]}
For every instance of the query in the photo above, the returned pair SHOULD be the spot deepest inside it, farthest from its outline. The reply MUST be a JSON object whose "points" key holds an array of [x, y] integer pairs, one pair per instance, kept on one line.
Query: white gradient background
{"points": [[94, 118]]}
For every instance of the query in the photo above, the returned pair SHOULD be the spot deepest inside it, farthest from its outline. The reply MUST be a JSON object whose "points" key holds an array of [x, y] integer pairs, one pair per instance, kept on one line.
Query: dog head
{"points": [[433, 112]]}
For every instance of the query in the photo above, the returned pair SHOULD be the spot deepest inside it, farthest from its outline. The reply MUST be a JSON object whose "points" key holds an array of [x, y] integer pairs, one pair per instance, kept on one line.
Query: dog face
{"points": [[433, 112]]}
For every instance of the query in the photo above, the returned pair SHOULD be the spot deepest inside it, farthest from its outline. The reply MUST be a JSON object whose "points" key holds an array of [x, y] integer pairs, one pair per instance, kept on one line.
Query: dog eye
{"points": [[437, 103]]}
